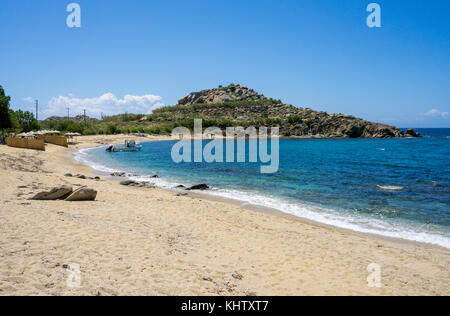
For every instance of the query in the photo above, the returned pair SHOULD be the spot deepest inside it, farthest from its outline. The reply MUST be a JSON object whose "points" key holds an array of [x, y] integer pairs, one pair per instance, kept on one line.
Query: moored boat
{"points": [[129, 146]]}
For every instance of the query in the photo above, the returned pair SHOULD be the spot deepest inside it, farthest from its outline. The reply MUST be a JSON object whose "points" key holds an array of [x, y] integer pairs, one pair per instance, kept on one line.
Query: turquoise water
{"points": [[393, 187]]}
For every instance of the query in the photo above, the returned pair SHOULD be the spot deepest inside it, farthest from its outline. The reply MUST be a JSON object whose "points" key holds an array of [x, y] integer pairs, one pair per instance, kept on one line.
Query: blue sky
{"points": [[138, 55]]}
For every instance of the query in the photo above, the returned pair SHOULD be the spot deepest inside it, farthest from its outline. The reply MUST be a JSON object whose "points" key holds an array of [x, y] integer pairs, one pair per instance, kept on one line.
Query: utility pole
{"points": [[37, 110], [84, 116], [68, 114]]}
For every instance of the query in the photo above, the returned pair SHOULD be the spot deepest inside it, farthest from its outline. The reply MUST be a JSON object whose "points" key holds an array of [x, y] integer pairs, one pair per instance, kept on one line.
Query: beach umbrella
{"points": [[25, 135]]}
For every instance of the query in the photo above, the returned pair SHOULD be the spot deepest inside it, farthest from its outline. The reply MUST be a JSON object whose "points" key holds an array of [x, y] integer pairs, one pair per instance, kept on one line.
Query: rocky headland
{"points": [[237, 105]]}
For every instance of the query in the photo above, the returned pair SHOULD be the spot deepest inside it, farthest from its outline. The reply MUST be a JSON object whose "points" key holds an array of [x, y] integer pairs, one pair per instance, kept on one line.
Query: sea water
{"points": [[393, 187]]}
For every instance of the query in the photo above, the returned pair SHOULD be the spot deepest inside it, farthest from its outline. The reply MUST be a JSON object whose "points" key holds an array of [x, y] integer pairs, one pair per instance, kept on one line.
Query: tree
{"points": [[6, 121], [27, 122]]}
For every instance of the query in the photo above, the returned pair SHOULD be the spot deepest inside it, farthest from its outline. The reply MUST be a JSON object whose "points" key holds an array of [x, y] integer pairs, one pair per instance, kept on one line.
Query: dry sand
{"points": [[137, 241]]}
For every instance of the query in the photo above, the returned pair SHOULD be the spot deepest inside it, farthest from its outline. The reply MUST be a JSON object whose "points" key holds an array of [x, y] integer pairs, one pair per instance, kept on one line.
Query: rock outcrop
{"points": [[412, 133], [231, 93]]}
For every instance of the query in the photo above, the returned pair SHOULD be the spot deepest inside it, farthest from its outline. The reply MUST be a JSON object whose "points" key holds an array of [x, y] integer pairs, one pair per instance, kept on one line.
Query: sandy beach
{"points": [[142, 241]]}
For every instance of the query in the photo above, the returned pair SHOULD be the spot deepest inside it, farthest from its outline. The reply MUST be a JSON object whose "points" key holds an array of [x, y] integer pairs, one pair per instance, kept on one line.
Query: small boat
{"points": [[129, 146]]}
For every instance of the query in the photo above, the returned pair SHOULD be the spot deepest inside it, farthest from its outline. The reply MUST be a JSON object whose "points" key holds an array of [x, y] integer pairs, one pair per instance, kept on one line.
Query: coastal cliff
{"points": [[239, 105]]}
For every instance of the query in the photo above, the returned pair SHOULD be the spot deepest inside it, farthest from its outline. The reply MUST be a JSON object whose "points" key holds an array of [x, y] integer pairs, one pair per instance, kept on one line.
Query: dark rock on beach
{"points": [[128, 182], [118, 174], [200, 187], [137, 184]]}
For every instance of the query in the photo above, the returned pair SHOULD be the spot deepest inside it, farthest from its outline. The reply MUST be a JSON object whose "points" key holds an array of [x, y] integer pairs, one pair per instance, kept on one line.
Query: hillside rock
{"points": [[221, 95]]}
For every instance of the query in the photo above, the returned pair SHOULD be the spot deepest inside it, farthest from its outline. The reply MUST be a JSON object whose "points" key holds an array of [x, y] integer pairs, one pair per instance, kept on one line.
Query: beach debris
{"points": [[237, 276], [83, 194], [54, 194], [200, 187]]}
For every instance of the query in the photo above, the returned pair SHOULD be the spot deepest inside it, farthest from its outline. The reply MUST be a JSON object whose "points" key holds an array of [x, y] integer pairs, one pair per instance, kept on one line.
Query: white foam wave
{"points": [[83, 156], [389, 187]]}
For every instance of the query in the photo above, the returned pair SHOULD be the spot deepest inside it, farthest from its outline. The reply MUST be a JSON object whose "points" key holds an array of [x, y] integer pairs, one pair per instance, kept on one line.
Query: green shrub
{"points": [[294, 119], [111, 129], [90, 131]]}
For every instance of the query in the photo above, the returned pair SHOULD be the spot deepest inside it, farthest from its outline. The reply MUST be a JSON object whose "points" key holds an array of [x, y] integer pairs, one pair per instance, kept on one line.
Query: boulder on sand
{"points": [[141, 184], [83, 194], [128, 182], [201, 187], [54, 194]]}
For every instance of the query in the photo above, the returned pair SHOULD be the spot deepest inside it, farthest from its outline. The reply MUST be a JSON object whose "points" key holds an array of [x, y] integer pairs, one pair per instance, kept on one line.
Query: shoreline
{"points": [[249, 206], [139, 241]]}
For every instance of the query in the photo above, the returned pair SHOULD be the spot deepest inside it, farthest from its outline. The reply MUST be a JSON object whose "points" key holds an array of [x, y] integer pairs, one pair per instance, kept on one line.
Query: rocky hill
{"points": [[240, 106]]}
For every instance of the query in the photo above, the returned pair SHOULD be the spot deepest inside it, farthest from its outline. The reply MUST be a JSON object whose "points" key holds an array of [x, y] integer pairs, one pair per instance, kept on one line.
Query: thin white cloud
{"points": [[108, 104], [28, 99], [435, 113]]}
